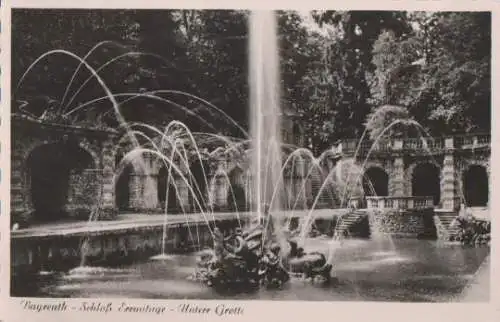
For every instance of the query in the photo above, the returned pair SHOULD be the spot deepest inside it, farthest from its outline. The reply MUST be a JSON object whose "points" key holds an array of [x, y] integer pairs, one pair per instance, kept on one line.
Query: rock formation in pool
{"points": [[254, 257]]}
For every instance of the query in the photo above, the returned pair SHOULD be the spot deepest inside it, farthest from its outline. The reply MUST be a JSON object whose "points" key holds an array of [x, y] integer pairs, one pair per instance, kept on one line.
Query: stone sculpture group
{"points": [[255, 257]]}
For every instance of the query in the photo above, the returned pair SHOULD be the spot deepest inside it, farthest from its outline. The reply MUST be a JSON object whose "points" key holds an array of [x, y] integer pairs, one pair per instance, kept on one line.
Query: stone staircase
{"points": [[347, 222], [327, 198], [444, 228]]}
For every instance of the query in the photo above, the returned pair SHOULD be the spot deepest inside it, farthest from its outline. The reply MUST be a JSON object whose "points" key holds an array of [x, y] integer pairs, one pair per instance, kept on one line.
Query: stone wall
{"points": [[403, 223], [84, 190], [105, 149], [450, 157], [63, 252], [30, 137]]}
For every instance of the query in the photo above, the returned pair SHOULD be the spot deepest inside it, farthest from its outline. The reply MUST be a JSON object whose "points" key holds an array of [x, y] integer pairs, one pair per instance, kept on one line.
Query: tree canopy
{"points": [[338, 68]]}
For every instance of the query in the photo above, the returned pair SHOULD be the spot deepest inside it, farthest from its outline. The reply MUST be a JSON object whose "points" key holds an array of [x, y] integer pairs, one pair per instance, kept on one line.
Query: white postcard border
{"points": [[11, 308]]}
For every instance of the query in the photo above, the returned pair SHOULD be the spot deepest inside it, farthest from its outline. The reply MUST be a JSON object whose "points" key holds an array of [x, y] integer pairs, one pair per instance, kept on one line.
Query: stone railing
{"points": [[400, 202], [429, 144], [471, 141]]}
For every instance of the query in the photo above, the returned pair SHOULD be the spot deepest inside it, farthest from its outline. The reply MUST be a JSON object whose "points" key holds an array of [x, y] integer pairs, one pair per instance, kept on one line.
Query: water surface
{"points": [[367, 270]]}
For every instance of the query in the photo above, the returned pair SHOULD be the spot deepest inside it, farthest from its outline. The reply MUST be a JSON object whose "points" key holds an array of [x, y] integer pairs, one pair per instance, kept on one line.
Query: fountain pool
{"points": [[407, 271], [377, 269]]}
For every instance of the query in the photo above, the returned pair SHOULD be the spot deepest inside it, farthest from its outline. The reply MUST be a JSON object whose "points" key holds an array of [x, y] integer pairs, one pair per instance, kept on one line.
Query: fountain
{"points": [[266, 246], [256, 255]]}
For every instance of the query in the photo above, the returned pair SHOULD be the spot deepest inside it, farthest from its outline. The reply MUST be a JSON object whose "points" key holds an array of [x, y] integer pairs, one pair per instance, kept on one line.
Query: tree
{"points": [[397, 70], [302, 55], [436, 65], [388, 121], [461, 71], [440, 71], [193, 52], [351, 61], [219, 52], [75, 31]]}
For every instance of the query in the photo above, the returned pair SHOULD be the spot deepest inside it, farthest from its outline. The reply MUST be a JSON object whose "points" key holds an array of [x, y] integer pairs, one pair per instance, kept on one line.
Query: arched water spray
{"points": [[102, 43], [109, 94], [137, 95], [103, 66], [139, 151], [346, 193]]}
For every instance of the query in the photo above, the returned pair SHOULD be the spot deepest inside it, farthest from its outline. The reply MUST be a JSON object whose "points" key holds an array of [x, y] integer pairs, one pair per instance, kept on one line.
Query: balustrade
{"points": [[399, 202], [417, 144]]}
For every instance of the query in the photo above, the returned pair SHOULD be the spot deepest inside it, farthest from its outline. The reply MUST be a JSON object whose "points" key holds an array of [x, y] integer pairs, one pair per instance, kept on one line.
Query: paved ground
{"points": [[481, 212], [479, 289], [136, 221]]}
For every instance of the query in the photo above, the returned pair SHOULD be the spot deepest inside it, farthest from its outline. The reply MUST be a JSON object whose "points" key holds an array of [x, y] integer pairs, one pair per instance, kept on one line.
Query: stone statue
{"points": [[253, 257]]}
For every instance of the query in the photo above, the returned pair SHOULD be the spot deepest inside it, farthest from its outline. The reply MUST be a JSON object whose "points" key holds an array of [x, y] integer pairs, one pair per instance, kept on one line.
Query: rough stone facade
{"points": [[449, 159], [102, 183], [403, 223], [108, 183], [87, 182]]}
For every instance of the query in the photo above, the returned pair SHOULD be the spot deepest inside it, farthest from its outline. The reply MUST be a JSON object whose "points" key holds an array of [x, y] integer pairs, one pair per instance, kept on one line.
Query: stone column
{"points": [[300, 167], [149, 185], [155, 200], [398, 182], [297, 181], [308, 192], [249, 193], [84, 194], [20, 196], [288, 195], [448, 177], [221, 192], [398, 178], [108, 177], [183, 193], [150, 192], [135, 188], [221, 185]]}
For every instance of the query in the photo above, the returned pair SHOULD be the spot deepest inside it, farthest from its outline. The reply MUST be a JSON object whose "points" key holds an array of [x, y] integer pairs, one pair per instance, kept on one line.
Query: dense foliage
{"points": [[472, 231], [338, 68]]}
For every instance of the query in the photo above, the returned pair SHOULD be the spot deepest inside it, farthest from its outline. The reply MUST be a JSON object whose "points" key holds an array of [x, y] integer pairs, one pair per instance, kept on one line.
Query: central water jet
{"points": [[261, 254], [265, 113]]}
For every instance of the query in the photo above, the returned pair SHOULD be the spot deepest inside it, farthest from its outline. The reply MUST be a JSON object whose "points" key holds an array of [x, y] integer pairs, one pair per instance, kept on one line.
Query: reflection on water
{"points": [[411, 270]]}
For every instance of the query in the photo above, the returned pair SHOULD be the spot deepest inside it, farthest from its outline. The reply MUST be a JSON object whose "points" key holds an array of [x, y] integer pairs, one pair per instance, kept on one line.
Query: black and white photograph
{"points": [[272, 155]]}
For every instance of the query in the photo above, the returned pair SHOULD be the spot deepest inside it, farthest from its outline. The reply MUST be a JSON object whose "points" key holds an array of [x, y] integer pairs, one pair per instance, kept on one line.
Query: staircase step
{"points": [[349, 220], [446, 228]]}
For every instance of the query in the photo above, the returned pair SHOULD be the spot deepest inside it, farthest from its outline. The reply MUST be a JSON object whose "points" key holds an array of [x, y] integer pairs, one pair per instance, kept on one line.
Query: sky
{"points": [[312, 25]]}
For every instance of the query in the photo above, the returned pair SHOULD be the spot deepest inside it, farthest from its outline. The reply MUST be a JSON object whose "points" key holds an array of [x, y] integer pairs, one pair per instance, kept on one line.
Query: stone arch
{"points": [[62, 178], [135, 186], [82, 144], [377, 165], [199, 179], [425, 179], [375, 181], [475, 185], [123, 177], [467, 163], [27, 150], [122, 187], [121, 149], [236, 194], [92, 150], [462, 165], [167, 190]]}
